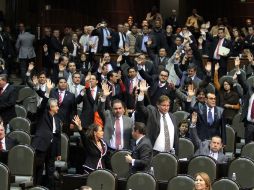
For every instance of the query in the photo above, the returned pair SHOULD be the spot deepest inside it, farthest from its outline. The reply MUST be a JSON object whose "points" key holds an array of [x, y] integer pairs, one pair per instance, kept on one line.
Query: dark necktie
{"points": [[210, 117], [166, 132], [1, 91], [1, 146]]}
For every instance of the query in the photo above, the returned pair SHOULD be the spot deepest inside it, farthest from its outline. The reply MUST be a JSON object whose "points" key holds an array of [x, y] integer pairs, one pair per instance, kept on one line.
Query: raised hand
{"points": [[149, 42], [88, 77], [208, 66], [217, 66], [191, 90], [61, 67], [127, 48], [119, 59], [194, 118], [77, 122], [57, 56], [30, 66], [35, 80], [250, 57], [237, 62], [106, 89], [49, 84], [177, 57], [45, 48], [143, 86]]}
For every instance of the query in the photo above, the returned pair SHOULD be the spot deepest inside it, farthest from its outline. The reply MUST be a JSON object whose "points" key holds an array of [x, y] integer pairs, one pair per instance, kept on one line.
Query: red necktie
{"points": [[118, 133], [252, 110], [60, 98]]}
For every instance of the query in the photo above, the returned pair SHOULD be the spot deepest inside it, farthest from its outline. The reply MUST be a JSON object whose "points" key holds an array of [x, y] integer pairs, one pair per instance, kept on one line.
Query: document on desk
{"points": [[223, 51]]}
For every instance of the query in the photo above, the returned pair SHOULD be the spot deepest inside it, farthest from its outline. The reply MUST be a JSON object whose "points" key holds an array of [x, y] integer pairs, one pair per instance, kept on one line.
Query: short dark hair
{"points": [[140, 127], [110, 74], [61, 78], [129, 68], [221, 28], [42, 73], [165, 70]]}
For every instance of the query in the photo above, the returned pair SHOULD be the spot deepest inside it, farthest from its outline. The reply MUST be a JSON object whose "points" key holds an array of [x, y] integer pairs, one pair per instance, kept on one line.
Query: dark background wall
{"points": [[80, 12]]}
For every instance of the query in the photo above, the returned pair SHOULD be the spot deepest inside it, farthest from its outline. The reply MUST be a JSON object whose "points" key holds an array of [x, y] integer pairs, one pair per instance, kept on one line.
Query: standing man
{"points": [[66, 103], [210, 121], [217, 54], [142, 154], [7, 100], [26, 53], [161, 124], [47, 140]]}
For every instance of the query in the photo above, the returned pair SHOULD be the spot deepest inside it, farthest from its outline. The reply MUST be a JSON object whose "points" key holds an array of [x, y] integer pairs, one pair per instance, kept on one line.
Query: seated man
{"points": [[6, 143], [212, 148], [143, 151]]}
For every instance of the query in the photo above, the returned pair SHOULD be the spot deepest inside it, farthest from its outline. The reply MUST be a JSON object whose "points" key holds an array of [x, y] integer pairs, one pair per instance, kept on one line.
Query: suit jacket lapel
{"points": [[204, 114]]}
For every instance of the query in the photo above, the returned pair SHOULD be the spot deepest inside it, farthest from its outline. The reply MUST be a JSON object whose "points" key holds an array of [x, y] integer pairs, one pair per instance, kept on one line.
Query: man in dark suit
{"points": [[90, 98], [142, 154], [7, 100], [47, 140], [210, 121], [215, 51], [140, 45], [66, 102], [159, 86], [212, 148], [161, 125], [249, 39], [247, 115], [106, 40]]}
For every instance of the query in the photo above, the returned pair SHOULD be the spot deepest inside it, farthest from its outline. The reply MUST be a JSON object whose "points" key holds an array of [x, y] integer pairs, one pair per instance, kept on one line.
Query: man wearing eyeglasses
{"points": [[159, 86], [210, 121]]}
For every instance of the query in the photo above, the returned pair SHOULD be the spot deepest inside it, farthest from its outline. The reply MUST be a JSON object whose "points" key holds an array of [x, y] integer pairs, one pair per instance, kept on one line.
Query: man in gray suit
{"points": [[212, 148], [117, 126], [24, 46]]}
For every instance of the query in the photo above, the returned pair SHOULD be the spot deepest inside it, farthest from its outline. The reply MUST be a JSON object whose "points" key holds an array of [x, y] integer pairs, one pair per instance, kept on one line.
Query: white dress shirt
{"points": [[249, 109], [159, 144], [3, 144]]}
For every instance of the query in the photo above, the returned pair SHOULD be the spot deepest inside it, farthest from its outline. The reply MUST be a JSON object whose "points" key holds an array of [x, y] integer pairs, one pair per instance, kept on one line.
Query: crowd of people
{"points": [[128, 103]]}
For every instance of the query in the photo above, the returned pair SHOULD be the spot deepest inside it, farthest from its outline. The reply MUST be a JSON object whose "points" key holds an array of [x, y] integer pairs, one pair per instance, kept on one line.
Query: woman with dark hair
{"points": [[95, 147], [228, 98], [202, 181]]}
